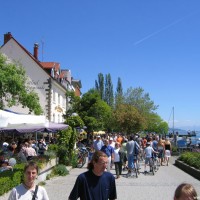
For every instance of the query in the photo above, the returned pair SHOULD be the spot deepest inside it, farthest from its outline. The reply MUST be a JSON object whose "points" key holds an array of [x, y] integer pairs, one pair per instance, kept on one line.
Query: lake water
{"points": [[194, 139]]}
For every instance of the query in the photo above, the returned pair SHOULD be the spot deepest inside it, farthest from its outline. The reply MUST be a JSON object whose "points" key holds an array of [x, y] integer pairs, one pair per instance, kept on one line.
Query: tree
{"points": [[137, 98], [119, 92], [74, 103], [108, 97], [156, 124], [94, 111], [128, 119], [13, 87], [75, 121], [99, 85]]}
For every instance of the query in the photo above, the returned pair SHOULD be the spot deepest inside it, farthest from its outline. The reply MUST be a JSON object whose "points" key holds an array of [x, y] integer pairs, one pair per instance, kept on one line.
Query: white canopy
{"points": [[9, 118]]}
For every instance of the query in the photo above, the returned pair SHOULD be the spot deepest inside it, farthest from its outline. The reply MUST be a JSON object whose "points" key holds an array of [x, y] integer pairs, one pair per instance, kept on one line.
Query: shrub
{"points": [[174, 149], [63, 155], [60, 170], [53, 147], [10, 179], [50, 154], [191, 158], [74, 160]]}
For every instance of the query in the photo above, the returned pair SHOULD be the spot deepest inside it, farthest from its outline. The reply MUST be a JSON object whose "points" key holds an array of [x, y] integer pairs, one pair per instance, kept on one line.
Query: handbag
{"points": [[34, 195]]}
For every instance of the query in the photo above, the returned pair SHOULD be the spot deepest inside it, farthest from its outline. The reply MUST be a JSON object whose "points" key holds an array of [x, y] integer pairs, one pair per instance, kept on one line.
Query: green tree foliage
{"points": [[99, 85], [74, 103], [94, 111], [156, 124], [128, 119], [74, 121], [119, 92], [146, 107], [66, 141], [13, 88], [109, 97], [137, 98]]}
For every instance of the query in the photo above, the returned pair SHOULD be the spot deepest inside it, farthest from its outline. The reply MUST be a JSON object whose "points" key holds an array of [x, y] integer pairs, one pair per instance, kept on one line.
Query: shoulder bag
{"points": [[34, 195]]}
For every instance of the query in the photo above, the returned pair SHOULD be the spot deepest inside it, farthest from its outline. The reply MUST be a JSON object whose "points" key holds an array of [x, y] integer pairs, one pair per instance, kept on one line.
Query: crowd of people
{"points": [[22, 150], [98, 183], [109, 151], [123, 151]]}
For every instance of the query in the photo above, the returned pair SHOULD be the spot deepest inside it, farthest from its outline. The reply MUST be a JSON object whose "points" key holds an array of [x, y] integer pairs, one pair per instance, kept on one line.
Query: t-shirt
{"points": [[88, 186], [155, 145], [148, 152], [116, 155], [108, 150], [21, 193], [98, 144], [130, 147]]}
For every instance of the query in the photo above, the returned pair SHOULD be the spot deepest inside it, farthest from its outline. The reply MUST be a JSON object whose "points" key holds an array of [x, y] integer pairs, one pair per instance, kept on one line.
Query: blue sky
{"points": [[150, 44]]}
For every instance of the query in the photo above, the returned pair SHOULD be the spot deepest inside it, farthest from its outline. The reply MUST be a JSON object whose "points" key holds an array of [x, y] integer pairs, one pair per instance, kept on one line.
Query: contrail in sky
{"points": [[160, 30]]}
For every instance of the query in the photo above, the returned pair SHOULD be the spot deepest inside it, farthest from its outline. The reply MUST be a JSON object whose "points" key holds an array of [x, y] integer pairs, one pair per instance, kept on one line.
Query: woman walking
{"points": [[161, 149], [168, 149]]}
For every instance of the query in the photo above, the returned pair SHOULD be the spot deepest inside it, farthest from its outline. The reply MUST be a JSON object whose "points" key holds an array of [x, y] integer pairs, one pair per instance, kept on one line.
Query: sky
{"points": [[150, 44]]}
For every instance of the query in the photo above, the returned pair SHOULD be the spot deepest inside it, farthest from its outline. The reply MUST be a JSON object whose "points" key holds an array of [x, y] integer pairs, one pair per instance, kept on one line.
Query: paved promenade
{"points": [[161, 186]]}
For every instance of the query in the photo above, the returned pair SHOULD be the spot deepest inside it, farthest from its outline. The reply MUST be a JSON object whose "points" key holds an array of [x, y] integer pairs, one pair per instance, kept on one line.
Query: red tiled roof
{"points": [[62, 74], [50, 65]]}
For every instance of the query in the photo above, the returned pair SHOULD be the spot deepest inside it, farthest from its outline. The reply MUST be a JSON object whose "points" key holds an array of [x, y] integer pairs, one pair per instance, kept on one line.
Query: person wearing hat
{"points": [[98, 143], [111, 142], [148, 151]]}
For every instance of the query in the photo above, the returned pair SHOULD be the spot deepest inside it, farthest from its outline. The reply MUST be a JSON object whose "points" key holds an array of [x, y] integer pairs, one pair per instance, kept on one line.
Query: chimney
{"points": [[7, 37], [36, 50]]}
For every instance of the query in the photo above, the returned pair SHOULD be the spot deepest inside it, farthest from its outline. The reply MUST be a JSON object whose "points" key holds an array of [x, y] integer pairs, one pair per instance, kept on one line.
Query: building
{"points": [[45, 78]]}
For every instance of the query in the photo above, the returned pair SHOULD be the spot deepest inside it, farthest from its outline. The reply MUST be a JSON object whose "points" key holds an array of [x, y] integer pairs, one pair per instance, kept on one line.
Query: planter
{"points": [[188, 169], [46, 170], [175, 153]]}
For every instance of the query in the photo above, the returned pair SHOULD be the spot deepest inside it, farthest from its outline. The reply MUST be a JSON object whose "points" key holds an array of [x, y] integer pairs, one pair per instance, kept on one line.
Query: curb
{"points": [[69, 168], [188, 169]]}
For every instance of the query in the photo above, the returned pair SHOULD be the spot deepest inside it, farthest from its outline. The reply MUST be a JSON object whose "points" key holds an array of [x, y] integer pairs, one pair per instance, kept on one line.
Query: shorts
{"points": [[147, 161], [130, 161], [167, 153], [160, 154]]}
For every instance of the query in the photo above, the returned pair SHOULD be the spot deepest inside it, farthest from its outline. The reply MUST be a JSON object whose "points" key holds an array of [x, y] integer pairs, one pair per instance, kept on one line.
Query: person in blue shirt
{"points": [[98, 143], [96, 183], [109, 151]]}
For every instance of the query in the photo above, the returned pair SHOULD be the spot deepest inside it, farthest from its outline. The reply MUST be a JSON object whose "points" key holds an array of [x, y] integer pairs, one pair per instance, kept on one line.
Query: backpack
{"points": [[137, 148]]}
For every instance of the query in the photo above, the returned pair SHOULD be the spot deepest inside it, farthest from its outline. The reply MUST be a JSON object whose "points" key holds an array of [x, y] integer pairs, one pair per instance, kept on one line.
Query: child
{"points": [[185, 191], [148, 151]]}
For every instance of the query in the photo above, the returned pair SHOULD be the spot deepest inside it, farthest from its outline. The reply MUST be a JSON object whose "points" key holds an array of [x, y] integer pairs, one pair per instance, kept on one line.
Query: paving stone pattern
{"points": [[161, 186]]}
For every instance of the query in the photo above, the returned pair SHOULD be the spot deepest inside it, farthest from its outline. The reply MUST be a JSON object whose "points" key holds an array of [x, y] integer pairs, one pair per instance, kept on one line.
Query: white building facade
{"points": [[51, 92]]}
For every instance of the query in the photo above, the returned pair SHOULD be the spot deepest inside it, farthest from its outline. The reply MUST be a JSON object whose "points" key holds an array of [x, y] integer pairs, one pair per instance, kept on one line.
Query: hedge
{"points": [[191, 158], [10, 179]]}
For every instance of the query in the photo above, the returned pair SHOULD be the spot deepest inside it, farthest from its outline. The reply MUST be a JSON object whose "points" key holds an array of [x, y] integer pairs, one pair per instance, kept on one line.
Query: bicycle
{"points": [[136, 168], [82, 156], [151, 166], [156, 163]]}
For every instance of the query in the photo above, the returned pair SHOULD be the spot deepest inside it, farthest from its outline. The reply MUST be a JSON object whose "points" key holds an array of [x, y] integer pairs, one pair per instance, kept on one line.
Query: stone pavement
{"points": [[161, 186]]}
